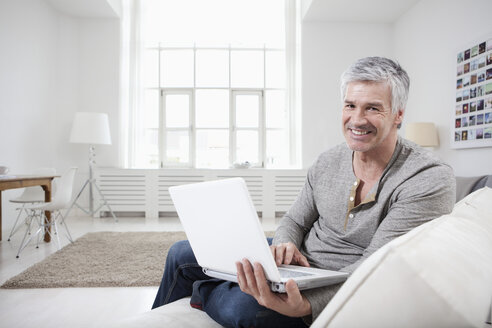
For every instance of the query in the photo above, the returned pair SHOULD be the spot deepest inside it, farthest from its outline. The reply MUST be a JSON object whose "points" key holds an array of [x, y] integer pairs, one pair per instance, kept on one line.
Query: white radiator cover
{"points": [[146, 190]]}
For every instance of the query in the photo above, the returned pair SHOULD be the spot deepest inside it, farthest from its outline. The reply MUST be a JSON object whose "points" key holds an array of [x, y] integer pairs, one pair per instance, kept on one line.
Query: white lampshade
{"points": [[90, 128], [422, 133]]}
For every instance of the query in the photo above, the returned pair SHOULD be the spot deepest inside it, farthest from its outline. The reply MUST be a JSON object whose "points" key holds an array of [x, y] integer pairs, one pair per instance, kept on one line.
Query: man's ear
{"points": [[399, 117]]}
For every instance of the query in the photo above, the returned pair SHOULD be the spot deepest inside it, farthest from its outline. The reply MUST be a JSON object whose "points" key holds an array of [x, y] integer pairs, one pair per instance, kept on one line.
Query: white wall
{"points": [[28, 61], [88, 81], [426, 41], [328, 48], [53, 65]]}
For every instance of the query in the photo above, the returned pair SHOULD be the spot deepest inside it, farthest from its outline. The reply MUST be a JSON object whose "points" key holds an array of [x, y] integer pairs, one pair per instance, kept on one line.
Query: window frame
{"points": [[233, 91], [260, 129], [163, 129]]}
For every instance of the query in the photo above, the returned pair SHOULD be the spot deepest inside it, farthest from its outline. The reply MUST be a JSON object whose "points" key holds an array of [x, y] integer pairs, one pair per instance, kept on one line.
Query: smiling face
{"points": [[368, 123]]}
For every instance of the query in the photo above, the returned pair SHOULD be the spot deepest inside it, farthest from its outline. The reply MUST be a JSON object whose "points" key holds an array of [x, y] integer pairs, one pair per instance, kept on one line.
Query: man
{"points": [[357, 197]]}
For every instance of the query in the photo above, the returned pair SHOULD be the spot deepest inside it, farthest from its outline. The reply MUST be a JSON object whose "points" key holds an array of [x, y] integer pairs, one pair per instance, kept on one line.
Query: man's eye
{"points": [[374, 109], [349, 106]]}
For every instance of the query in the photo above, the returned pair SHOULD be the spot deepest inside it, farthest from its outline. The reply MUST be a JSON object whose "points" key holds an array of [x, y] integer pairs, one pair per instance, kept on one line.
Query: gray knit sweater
{"points": [[332, 233]]}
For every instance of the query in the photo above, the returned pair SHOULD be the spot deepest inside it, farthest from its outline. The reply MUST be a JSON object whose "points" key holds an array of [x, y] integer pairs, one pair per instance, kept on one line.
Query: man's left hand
{"points": [[252, 281]]}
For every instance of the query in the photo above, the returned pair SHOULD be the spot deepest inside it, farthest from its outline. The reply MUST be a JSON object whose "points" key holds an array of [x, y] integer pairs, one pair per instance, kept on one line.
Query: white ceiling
{"points": [[366, 11], [86, 8]]}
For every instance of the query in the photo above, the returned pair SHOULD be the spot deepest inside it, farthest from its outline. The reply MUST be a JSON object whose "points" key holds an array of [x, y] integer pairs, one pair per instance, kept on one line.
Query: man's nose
{"points": [[358, 116]]}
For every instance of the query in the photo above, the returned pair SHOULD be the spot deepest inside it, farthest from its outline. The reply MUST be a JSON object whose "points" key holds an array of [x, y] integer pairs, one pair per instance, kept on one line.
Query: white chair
{"points": [[61, 200], [31, 195]]}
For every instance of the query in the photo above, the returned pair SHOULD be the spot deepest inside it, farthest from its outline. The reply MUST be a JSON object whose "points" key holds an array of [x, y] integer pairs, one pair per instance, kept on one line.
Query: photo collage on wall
{"points": [[473, 111]]}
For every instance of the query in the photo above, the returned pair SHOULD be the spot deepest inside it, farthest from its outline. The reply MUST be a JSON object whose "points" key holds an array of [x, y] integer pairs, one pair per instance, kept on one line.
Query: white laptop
{"points": [[222, 227]]}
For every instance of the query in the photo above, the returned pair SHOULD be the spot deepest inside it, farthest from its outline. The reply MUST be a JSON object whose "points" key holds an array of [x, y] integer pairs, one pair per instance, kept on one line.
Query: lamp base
{"points": [[91, 211]]}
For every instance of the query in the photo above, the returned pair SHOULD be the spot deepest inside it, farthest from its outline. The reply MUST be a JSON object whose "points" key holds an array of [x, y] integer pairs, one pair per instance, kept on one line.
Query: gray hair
{"points": [[379, 69]]}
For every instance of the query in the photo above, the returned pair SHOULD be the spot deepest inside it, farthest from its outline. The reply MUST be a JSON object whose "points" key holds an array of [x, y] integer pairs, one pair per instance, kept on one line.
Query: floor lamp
{"points": [[92, 129]]}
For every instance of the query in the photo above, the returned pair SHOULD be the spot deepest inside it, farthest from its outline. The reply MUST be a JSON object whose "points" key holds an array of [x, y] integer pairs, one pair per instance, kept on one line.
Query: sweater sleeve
{"points": [[297, 222]]}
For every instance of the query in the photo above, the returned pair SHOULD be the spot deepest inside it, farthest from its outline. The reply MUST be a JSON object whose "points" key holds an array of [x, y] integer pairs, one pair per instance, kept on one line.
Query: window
{"points": [[214, 85]]}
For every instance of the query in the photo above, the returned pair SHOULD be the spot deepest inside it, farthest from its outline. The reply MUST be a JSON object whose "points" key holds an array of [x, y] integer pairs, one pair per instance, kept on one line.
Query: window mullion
{"points": [[162, 128], [232, 116], [193, 149], [232, 126], [192, 130], [262, 131]]}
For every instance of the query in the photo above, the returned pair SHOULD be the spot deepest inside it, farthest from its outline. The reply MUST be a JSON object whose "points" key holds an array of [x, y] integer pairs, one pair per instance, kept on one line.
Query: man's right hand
{"points": [[287, 253]]}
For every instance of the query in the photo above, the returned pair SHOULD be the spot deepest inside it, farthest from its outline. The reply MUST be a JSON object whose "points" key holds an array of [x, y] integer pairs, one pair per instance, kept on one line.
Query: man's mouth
{"points": [[360, 132]]}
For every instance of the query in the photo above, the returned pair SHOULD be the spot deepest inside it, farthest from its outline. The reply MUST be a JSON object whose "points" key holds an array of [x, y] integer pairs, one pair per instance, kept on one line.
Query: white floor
{"points": [[74, 307]]}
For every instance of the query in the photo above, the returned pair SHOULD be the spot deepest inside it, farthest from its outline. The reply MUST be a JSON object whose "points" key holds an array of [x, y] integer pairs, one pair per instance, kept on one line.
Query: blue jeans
{"points": [[222, 300]]}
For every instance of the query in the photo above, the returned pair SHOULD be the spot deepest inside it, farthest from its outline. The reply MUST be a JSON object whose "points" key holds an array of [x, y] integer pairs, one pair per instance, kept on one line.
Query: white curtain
{"points": [[293, 88], [130, 87]]}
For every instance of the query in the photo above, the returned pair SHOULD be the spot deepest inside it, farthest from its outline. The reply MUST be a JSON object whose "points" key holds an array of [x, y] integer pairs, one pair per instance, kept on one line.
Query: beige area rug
{"points": [[103, 259]]}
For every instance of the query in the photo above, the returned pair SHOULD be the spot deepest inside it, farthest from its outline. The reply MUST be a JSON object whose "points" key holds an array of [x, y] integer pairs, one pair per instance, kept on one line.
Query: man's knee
{"points": [[180, 252], [244, 311], [237, 310]]}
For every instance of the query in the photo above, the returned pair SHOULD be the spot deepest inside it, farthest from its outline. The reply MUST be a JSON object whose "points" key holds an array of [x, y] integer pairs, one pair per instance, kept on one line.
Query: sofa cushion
{"points": [[178, 314], [467, 185], [437, 275]]}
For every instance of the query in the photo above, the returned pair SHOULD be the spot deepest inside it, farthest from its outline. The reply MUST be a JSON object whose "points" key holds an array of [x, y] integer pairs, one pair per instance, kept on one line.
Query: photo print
{"points": [[488, 89], [472, 120], [481, 48], [464, 122], [457, 136], [466, 68], [481, 77], [466, 81], [459, 84], [474, 65], [457, 123], [472, 134], [458, 110], [473, 79], [465, 108], [467, 54], [480, 119], [473, 93], [466, 94], [473, 106], [474, 51], [481, 62], [487, 133], [460, 58], [480, 104], [488, 118], [464, 135], [479, 134], [479, 91], [488, 103], [488, 74], [489, 58], [459, 96], [459, 71]]}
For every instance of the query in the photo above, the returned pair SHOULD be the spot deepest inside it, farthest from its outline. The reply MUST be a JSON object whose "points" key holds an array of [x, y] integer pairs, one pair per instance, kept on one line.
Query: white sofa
{"points": [[437, 275]]}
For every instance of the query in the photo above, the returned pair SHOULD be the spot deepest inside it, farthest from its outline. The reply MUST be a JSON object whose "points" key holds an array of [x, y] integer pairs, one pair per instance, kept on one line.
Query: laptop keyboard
{"points": [[285, 273]]}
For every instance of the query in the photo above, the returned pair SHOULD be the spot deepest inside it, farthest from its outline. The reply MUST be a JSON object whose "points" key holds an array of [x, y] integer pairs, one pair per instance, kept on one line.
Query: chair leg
{"points": [[62, 221], [55, 227], [39, 219], [14, 230], [24, 243]]}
